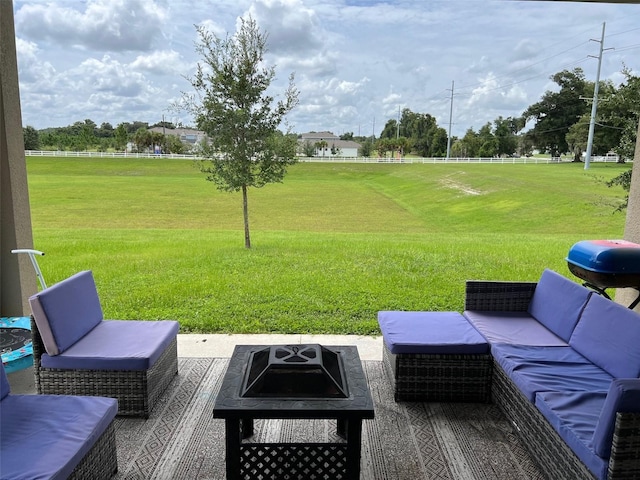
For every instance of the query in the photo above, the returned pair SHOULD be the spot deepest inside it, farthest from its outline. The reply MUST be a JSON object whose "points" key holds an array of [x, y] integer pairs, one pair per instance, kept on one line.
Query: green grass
{"points": [[332, 245]]}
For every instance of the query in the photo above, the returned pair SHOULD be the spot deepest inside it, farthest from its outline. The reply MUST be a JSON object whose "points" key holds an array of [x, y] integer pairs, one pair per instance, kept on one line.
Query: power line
{"points": [[567, 66], [500, 87], [531, 65]]}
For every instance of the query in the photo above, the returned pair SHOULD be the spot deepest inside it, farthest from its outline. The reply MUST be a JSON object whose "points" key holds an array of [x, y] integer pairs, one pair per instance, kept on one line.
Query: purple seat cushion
{"points": [[66, 311], [608, 334], [46, 436], [623, 396], [558, 302], [549, 369], [117, 345], [430, 332], [574, 416], [518, 328]]}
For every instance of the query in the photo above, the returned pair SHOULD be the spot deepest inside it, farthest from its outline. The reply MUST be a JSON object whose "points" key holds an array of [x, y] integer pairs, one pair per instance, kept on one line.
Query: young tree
{"points": [[366, 147], [321, 145], [232, 107], [120, 137], [308, 148]]}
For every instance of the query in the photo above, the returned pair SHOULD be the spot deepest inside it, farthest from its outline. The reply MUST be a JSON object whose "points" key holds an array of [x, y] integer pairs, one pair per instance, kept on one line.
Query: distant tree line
{"points": [[86, 135], [560, 126]]}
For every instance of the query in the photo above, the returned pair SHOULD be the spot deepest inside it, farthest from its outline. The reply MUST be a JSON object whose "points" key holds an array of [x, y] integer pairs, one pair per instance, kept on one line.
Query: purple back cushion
{"points": [[70, 309], [623, 396], [4, 384], [558, 302], [608, 334]]}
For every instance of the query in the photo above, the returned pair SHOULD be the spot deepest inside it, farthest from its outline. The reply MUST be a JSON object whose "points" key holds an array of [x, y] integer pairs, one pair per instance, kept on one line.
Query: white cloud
{"points": [[355, 62], [320, 64], [161, 62], [121, 25], [391, 99], [291, 27], [31, 68], [491, 94]]}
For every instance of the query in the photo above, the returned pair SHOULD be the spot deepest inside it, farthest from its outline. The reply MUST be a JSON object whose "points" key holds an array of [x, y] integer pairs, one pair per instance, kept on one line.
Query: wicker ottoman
{"points": [[436, 357]]}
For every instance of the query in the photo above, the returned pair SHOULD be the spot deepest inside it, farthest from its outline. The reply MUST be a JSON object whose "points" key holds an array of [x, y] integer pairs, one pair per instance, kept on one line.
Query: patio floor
{"points": [[406, 440]]}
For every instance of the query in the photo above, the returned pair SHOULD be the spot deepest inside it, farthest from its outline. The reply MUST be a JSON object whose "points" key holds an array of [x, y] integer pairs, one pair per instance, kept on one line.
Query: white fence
{"points": [[327, 159], [64, 153]]}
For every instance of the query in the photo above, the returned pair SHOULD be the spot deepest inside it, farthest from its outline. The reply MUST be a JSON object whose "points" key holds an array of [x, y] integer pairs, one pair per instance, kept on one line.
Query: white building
{"points": [[332, 146]]}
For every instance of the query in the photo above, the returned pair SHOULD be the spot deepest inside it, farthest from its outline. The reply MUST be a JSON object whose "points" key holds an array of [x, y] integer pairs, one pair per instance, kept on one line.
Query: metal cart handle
{"points": [[32, 256]]}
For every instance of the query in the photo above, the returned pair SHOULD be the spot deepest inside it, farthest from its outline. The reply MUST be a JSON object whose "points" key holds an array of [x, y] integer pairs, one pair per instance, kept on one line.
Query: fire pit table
{"points": [[293, 382]]}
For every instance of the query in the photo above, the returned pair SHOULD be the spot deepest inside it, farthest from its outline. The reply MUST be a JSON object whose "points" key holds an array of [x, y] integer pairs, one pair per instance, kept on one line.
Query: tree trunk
{"points": [[245, 211]]}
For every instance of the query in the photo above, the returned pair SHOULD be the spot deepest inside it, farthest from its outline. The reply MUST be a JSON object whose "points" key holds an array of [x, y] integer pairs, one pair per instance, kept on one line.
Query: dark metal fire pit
{"points": [[293, 382], [295, 371], [606, 264]]}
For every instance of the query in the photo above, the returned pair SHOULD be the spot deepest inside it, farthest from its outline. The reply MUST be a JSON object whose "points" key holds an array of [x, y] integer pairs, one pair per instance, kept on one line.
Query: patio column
{"points": [[17, 278], [632, 227]]}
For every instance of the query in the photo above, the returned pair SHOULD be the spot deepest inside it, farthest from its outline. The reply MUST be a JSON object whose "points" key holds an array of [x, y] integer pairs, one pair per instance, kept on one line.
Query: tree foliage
{"points": [[556, 112], [620, 115], [31, 138], [623, 180], [240, 118], [366, 147]]}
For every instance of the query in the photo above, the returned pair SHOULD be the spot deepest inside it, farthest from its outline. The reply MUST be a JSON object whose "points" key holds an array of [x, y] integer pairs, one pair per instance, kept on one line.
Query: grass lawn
{"points": [[332, 245]]}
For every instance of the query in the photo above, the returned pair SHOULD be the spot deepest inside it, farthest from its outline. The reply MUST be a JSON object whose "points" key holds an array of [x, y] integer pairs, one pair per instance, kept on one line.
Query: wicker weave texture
{"points": [[498, 296], [552, 454], [101, 462], [625, 450], [439, 378], [136, 391]]}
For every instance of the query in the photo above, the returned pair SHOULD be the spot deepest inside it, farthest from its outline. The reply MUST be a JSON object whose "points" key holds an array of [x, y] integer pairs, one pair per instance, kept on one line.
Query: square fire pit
{"points": [[299, 382]]}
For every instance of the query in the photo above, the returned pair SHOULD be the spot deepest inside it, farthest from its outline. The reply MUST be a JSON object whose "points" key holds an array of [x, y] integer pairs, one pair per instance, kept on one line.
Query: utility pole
{"points": [[450, 119], [398, 124], [594, 105]]}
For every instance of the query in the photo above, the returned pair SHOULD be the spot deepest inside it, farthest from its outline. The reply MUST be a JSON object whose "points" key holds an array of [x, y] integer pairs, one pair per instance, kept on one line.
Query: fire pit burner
{"points": [[295, 371]]}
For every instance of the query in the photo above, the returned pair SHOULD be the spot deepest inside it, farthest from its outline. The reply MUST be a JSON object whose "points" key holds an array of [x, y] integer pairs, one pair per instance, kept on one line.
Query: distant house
{"points": [[332, 145], [189, 136]]}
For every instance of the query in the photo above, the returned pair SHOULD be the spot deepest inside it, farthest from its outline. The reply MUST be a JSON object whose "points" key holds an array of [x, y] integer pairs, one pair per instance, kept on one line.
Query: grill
{"points": [[295, 371], [606, 264]]}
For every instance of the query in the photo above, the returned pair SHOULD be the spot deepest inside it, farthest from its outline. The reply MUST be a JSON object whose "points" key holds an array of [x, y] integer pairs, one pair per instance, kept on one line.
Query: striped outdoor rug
{"points": [[406, 441]]}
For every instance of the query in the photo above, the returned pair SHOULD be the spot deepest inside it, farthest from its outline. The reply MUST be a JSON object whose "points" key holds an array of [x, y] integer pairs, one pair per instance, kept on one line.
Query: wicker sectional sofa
{"points": [[566, 368], [56, 436]]}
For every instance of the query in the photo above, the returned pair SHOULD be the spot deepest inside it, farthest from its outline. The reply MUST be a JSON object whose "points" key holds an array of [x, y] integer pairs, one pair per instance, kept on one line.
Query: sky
{"points": [[357, 63]]}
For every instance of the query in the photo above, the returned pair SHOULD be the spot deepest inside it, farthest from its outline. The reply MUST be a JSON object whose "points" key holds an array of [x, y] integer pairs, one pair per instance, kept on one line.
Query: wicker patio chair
{"points": [[77, 352]]}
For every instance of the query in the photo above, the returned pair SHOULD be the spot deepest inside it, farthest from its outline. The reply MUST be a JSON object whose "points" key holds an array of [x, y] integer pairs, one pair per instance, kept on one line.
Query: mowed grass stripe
{"points": [[333, 244]]}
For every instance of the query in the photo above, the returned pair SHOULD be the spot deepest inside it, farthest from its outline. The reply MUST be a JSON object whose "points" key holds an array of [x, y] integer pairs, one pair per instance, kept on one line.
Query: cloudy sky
{"points": [[356, 62]]}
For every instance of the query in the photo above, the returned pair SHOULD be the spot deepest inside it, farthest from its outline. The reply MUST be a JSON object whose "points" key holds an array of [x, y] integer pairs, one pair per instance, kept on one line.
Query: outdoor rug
{"points": [[405, 441]]}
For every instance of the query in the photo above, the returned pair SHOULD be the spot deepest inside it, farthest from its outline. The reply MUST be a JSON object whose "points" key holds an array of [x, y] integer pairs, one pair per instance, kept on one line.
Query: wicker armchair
{"points": [[79, 353]]}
